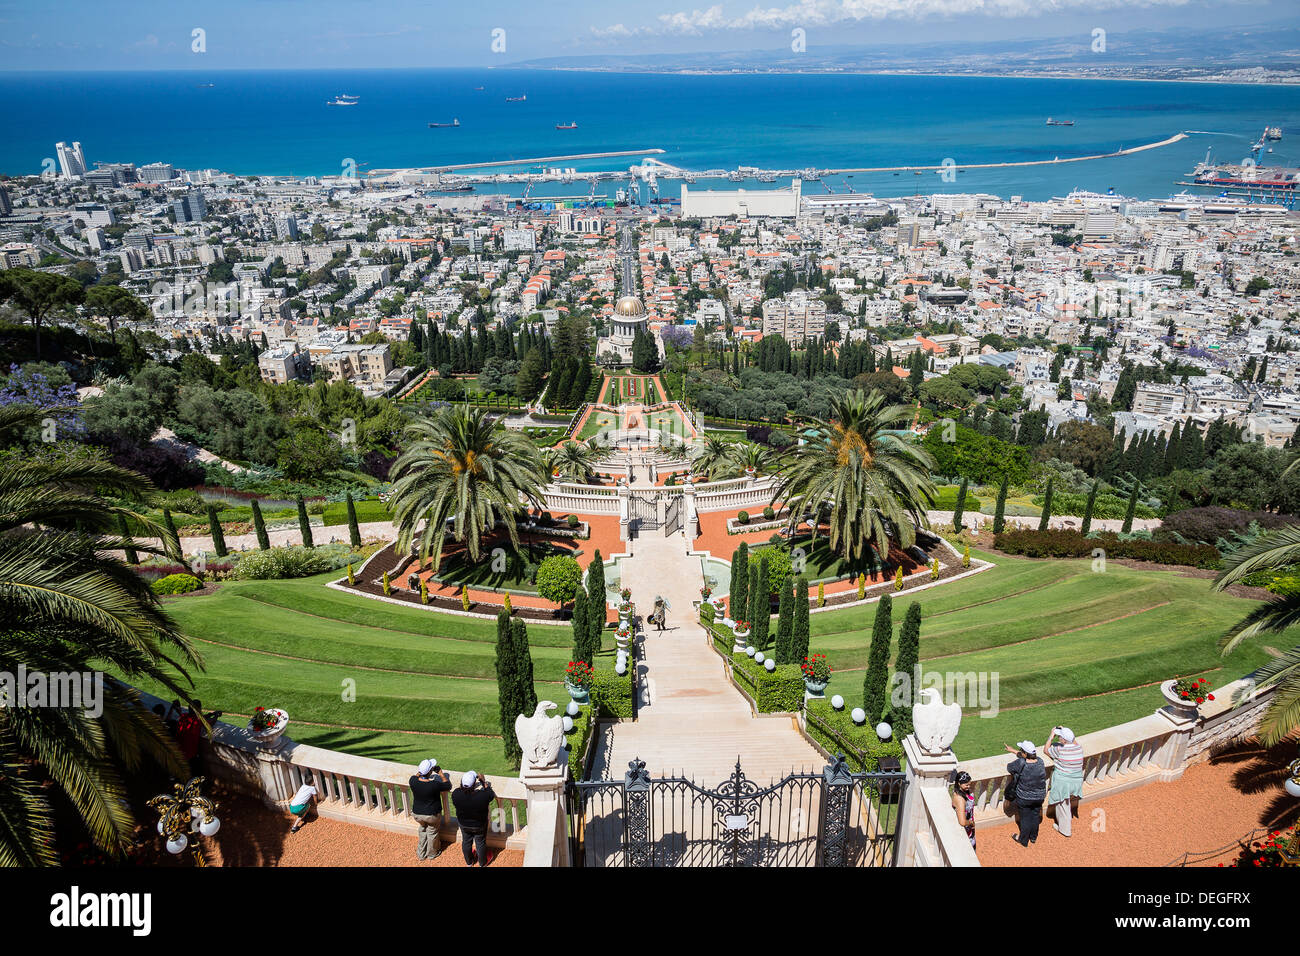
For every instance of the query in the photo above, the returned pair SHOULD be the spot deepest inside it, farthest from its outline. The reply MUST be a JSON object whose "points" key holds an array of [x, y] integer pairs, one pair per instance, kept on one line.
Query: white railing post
{"points": [[924, 771]]}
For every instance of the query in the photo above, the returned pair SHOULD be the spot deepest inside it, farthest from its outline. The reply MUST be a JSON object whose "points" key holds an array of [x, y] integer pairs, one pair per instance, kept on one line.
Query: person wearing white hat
{"points": [[427, 787], [1067, 777], [1029, 784], [473, 799]]}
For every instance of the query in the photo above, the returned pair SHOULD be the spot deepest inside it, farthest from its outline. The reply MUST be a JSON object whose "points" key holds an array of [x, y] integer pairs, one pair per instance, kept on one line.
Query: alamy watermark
{"points": [[78, 690]]}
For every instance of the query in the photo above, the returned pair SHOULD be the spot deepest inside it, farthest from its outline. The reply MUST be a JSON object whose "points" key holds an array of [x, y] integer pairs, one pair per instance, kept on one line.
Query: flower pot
{"points": [[622, 639], [270, 738], [741, 636], [1176, 706], [579, 695], [814, 690]]}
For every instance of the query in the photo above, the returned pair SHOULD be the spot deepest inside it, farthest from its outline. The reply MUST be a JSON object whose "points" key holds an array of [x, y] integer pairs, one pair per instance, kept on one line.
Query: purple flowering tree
{"points": [[25, 387]]}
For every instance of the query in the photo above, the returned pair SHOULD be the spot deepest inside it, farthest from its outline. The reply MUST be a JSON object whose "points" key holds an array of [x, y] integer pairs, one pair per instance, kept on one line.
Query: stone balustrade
{"points": [[1158, 747]]}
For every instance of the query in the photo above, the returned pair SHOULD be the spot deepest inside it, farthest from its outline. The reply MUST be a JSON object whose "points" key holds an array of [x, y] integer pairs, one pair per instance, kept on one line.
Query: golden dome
{"points": [[629, 306]]}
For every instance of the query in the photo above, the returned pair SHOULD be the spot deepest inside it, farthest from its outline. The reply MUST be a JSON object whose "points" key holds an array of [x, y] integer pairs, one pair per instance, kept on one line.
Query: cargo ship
{"points": [[517, 99], [455, 122], [1273, 132], [1237, 174], [1057, 122], [569, 125]]}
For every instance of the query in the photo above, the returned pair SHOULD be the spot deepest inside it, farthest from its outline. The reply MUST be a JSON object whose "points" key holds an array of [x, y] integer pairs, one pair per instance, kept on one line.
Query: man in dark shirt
{"points": [[427, 787], [472, 800], [1030, 776]]}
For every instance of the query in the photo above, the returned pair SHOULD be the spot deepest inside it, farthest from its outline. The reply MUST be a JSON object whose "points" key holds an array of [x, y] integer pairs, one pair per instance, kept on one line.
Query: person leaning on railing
{"points": [[1067, 777], [427, 787]]}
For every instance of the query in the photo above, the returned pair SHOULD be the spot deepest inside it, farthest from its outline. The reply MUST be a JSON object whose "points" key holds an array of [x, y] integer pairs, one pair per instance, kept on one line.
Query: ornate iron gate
{"points": [[673, 518], [835, 818], [643, 512]]}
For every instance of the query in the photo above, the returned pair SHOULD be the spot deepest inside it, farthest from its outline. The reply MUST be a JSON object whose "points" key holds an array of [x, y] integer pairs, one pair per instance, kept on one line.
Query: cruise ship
{"points": [[1248, 175]]}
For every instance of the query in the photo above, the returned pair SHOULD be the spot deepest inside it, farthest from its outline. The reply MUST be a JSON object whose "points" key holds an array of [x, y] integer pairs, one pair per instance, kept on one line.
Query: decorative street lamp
{"points": [[186, 811]]}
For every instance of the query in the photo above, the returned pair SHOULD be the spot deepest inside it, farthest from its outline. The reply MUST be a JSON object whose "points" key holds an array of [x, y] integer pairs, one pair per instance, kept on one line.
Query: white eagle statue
{"points": [[935, 722], [540, 737]]}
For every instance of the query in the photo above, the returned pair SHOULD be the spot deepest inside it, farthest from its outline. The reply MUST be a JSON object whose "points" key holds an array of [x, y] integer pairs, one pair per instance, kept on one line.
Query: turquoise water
{"points": [[277, 122]]}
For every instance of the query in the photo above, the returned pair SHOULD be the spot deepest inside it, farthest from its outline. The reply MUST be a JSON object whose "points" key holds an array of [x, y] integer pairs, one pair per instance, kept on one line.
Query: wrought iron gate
{"points": [[834, 818], [643, 512], [673, 516]]}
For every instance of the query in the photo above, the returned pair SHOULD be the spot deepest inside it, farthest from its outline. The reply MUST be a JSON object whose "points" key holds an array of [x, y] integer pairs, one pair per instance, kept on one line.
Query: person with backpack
{"points": [[1029, 786]]}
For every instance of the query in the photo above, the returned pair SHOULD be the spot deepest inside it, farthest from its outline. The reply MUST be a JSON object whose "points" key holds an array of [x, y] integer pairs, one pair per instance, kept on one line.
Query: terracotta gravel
{"points": [[1213, 805]]}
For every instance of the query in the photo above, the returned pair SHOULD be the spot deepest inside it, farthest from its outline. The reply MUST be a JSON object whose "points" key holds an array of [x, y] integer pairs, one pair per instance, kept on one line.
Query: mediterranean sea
{"points": [[278, 122]]}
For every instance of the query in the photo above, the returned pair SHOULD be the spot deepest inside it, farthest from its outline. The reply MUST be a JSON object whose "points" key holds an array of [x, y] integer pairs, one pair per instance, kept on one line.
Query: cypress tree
{"points": [[1087, 508], [170, 524], [785, 625], [259, 526], [507, 688], [763, 604], [909, 654], [999, 513], [877, 677], [354, 530], [1047, 507], [131, 556], [304, 524], [526, 692], [799, 633], [595, 602], [1132, 507], [214, 528], [581, 632], [738, 603], [751, 613], [961, 507]]}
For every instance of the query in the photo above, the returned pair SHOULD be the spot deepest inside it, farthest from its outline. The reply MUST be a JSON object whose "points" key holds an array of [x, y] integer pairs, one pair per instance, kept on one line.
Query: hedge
{"points": [[1062, 543], [1208, 525], [176, 584], [775, 691], [611, 693], [576, 741], [946, 500], [836, 731]]}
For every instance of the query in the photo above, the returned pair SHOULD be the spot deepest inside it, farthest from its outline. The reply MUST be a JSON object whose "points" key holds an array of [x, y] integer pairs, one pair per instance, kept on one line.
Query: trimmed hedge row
{"points": [[1062, 543], [836, 731], [775, 691], [576, 741], [611, 693], [1106, 506]]}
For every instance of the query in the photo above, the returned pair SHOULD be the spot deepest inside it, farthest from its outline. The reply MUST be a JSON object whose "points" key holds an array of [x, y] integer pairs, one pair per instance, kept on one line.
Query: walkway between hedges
{"points": [[691, 721]]}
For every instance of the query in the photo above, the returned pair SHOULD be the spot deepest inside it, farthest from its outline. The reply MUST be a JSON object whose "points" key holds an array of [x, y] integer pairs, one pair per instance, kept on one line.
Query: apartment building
{"points": [[795, 318]]}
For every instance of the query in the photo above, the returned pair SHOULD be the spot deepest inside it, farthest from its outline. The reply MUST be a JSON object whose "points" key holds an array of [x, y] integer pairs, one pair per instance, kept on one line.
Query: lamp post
{"points": [[186, 811]]}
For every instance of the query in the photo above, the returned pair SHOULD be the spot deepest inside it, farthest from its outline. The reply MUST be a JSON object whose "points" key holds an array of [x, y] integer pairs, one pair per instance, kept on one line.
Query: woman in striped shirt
{"points": [[1067, 776]]}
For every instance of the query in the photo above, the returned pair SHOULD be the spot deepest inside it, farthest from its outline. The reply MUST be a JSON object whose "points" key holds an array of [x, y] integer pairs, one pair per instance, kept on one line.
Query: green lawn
{"points": [[424, 681], [1069, 645], [367, 510]]}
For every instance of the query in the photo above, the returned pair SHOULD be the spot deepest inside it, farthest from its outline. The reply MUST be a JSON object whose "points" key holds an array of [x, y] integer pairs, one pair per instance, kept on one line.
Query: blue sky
{"points": [[262, 34]]}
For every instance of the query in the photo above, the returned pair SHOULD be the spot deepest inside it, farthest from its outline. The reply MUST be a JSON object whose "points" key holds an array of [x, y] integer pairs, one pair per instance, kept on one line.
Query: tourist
{"points": [[427, 787], [302, 801], [1067, 777], [189, 734], [1029, 781], [963, 802], [660, 613], [472, 799]]}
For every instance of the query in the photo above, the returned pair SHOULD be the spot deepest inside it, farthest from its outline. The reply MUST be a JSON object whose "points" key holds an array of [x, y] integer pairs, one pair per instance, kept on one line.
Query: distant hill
{"points": [[1181, 53]]}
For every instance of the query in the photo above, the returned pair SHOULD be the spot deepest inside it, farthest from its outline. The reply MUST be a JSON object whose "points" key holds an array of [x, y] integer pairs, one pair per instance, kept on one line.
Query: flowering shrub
{"points": [[176, 584], [816, 669], [1197, 690], [1279, 848], [579, 674]]}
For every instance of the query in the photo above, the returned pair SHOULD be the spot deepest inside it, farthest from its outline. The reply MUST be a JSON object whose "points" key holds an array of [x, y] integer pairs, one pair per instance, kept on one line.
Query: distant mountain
{"points": [[1268, 47]]}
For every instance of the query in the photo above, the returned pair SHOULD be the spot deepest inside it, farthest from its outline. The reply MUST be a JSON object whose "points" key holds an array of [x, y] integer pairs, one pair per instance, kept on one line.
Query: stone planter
{"points": [[270, 738], [623, 638], [1178, 708], [741, 636], [814, 689], [579, 695]]}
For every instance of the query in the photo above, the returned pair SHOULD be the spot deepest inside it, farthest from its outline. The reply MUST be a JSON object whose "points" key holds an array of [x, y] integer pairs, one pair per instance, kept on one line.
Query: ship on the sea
{"points": [[455, 122], [1273, 132], [1247, 175], [343, 100], [1057, 122], [517, 99], [568, 125]]}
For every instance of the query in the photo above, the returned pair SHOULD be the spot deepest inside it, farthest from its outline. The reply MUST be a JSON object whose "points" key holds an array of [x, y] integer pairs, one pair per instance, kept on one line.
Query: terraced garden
{"points": [[424, 682], [1070, 645]]}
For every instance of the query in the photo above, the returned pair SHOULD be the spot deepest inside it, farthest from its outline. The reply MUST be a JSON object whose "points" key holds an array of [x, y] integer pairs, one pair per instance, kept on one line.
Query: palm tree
{"points": [[69, 605], [712, 456], [573, 461], [746, 454], [460, 468], [875, 484], [1276, 550]]}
